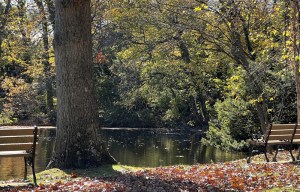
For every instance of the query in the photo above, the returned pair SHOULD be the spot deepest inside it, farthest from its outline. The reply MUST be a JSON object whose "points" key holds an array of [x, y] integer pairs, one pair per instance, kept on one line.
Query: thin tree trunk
{"points": [[3, 24], [51, 11], [26, 40], [22, 26], [77, 142], [199, 98], [256, 89], [46, 63], [237, 51]]}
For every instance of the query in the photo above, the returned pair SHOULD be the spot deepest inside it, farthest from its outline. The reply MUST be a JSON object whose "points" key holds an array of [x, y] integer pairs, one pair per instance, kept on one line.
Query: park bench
{"points": [[277, 135], [20, 142]]}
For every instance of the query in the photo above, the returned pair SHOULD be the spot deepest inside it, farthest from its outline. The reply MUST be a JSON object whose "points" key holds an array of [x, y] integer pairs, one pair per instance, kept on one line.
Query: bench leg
{"points": [[33, 172], [274, 158], [250, 154], [298, 156], [265, 152], [291, 147], [25, 168]]}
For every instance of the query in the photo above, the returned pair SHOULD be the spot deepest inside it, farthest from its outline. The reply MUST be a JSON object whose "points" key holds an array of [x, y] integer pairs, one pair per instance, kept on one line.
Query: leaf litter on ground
{"points": [[229, 176]]}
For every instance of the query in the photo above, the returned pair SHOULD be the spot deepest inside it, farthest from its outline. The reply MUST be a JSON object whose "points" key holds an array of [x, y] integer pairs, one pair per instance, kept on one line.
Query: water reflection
{"points": [[146, 148], [14, 167], [151, 149]]}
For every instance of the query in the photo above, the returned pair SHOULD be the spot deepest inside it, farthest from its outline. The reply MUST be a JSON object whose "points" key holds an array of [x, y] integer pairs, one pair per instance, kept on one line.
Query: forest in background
{"points": [[162, 63]]}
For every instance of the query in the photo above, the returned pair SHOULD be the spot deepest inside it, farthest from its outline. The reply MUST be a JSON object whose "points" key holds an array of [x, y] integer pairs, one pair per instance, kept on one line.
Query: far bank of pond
{"points": [[134, 147]]}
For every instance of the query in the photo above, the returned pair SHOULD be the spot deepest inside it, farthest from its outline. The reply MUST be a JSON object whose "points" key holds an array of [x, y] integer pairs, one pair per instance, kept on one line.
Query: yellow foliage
{"points": [[201, 7], [15, 86], [277, 8], [197, 9], [274, 32], [177, 53], [260, 99]]}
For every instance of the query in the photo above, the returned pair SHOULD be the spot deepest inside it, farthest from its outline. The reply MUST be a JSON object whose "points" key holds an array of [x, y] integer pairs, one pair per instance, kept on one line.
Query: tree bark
{"points": [[78, 144], [46, 63], [296, 50], [3, 21], [51, 11]]}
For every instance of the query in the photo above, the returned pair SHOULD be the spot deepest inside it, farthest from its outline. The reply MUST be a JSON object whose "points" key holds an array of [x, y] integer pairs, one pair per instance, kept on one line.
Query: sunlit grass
{"points": [[258, 169], [55, 175]]}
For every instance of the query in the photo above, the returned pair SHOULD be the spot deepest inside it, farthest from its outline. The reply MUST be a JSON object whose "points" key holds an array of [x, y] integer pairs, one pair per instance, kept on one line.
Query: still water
{"points": [[135, 147]]}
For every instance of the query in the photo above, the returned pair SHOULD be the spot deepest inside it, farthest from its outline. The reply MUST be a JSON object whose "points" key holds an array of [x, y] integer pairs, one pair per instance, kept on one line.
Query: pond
{"points": [[134, 147]]}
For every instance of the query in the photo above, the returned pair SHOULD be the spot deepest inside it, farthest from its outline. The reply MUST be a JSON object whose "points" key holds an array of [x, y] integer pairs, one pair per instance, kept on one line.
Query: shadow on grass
{"points": [[119, 177], [124, 179], [102, 171], [130, 182]]}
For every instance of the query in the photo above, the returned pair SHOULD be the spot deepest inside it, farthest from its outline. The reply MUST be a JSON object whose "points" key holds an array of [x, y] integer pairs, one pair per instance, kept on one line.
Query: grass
{"points": [[52, 176], [55, 175]]}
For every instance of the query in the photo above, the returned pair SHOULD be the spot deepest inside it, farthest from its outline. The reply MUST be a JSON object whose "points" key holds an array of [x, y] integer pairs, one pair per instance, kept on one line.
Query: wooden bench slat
{"points": [[297, 136], [280, 137], [283, 126], [15, 146], [296, 141], [282, 132], [278, 134], [16, 131], [278, 142], [273, 142], [14, 154], [16, 139]]}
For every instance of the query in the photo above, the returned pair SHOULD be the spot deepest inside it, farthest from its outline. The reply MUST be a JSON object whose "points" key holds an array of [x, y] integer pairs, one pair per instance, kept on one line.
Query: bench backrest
{"points": [[297, 133], [281, 132], [14, 139]]}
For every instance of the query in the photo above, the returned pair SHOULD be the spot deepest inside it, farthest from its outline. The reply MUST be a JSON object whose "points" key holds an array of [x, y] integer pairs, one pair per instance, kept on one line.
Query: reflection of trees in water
{"points": [[14, 167], [44, 152], [195, 148], [11, 167], [150, 148], [45, 148], [132, 147], [142, 148]]}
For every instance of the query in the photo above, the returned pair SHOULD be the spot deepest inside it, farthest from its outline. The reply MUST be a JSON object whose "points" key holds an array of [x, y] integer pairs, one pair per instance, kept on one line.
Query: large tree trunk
{"points": [[296, 50], [77, 142]]}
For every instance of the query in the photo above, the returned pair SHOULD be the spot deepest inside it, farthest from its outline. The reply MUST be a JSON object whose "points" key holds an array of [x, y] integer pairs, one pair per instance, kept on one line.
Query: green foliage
{"points": [[172, 63], [6, 117], [234, 118], [159, 75], [22, 77], [234, 124]]}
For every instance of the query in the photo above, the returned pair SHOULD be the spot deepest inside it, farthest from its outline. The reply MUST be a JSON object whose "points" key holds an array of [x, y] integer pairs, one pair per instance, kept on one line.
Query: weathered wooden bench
{"points": [[20, 142], [278, 135]]}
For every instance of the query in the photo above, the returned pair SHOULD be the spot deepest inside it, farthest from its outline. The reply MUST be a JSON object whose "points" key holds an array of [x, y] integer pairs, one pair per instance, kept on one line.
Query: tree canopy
{"points": [[224, 67]]}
